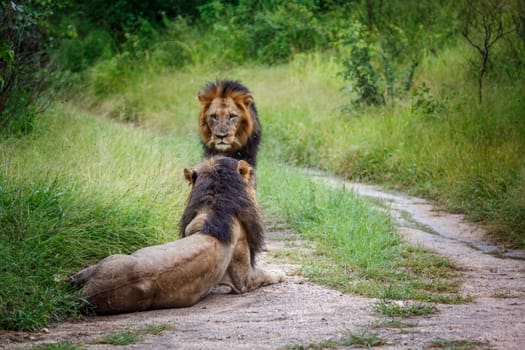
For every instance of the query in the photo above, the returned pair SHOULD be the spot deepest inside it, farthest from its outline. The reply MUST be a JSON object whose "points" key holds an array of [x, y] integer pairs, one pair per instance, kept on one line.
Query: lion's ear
{"points": [[190, 175], [247, 100], [244, 169], [205, 102], [205, 98]]}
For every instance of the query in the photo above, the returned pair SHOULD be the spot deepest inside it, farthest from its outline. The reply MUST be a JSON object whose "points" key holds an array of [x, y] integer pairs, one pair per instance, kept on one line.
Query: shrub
{"points": [[357, 67], [22, 60]]}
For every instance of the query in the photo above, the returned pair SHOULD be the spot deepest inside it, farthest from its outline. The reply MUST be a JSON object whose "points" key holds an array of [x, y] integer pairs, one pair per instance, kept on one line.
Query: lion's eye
{"points": [[233, 117], [213, 118]]}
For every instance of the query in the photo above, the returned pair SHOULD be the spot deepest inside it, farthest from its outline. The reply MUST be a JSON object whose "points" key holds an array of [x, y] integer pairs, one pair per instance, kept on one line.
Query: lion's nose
{"points": [[221, 134]]}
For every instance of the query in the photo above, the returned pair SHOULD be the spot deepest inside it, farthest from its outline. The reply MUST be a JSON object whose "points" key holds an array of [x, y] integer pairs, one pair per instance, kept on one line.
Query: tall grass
{"points": [[75, 192], [356, 248], [436, 141]]}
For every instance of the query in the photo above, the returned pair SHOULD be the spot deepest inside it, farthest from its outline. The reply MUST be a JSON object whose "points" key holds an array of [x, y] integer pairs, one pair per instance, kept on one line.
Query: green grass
{"points": [[413, 149], [404, 310], [59, 346], [349, 339], [120, 338], [393, 323], [415, 144], [75, 192], [133, 336], [356, 248], [457, 345]]}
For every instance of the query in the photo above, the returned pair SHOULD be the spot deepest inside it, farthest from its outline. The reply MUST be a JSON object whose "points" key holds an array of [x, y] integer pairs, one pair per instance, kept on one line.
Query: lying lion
{"points": [[222, 234]]}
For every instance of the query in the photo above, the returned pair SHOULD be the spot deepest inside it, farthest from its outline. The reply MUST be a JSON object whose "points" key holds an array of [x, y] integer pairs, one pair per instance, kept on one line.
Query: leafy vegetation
{"points": [[22, 59]]}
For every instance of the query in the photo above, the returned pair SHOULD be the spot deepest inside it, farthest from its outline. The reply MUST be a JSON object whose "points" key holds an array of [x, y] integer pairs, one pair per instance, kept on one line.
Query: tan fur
{"points": [[175, 274], [225, 124], [179, 273]]}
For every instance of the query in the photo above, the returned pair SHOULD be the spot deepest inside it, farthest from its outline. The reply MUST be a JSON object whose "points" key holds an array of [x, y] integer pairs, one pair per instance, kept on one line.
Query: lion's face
{"points": [[225, 121]]}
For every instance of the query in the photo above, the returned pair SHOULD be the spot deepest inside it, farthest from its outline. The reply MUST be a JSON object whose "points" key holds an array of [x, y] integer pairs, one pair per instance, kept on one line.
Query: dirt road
{"points": [[297, 312]]}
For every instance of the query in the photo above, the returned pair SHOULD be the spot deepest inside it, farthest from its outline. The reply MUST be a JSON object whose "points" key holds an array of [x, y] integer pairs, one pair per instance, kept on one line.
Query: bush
{"points": [[269, 31], [292, 27], [22, 59], [78, 53], [358, 71]]}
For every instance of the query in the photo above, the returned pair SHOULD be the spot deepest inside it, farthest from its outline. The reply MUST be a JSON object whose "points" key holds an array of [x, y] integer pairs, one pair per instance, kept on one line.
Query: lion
{"points": [[222, 234], [228, 122]]}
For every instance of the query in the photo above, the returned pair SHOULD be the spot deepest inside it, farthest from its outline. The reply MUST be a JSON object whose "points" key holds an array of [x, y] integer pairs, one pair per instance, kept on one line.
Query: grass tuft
{"points": [[120, 338], [403, 309], [128, 337], [457, 345], [363, 339], [59, 346]]}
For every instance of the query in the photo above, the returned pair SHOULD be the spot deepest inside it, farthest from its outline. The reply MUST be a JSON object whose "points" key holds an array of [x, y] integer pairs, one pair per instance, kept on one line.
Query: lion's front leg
{"points": [[262, 277], [242, 277]]}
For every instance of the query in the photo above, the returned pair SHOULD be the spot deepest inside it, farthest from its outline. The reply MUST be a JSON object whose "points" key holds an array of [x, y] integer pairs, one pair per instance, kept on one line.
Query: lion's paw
{"points": [[274, 276]]}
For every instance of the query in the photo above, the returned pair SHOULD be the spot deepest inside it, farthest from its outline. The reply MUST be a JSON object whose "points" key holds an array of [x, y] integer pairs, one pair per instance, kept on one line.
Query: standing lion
{"points": [[228, 121]]}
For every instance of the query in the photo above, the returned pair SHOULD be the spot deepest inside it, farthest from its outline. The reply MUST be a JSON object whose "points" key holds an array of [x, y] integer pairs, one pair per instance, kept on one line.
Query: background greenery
{"points": [[98, 119]]}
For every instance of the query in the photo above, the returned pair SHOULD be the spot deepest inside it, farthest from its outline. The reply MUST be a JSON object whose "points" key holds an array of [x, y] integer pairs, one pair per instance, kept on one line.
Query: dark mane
{"points": [[224, 88], [219, 189], [230, 88]]}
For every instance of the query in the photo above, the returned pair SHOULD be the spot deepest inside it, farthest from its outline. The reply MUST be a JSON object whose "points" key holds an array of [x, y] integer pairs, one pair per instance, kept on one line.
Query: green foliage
{"points": [[77, 53], [267, 31], [128, 16], [355, 247], [22, 40], [358, 69], [483, 26], [422, 102], [290, 28], [61, 211], [173, 49]]}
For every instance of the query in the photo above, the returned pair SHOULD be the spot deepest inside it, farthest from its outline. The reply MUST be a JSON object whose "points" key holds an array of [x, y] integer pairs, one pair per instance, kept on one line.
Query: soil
{"points": [[297, 312]]}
